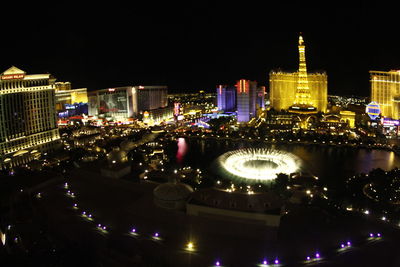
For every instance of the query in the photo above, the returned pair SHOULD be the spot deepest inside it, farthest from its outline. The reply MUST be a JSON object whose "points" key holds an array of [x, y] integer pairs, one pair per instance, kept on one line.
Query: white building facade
{"points": [[28, 124]]}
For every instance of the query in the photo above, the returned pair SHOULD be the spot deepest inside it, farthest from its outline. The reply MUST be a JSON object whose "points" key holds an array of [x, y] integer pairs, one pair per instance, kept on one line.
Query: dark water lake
{"points": [[331, 164]]}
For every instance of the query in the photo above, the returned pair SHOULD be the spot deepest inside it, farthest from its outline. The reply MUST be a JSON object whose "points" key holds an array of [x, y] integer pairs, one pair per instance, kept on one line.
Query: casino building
{"points": [[121, 103], [70, 102], [385, 91], [28, 124], [246, 100], [226, 97], [299, 90]]}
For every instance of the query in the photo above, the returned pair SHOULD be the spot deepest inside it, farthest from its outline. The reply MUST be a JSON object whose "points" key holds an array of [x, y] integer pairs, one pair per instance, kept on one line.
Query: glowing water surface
{"points": [[259, 164], [333, 165]]}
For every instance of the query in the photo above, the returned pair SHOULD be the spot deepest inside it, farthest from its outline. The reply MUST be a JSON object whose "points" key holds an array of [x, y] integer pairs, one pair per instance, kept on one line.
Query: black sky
{"points": [[200, 44]]}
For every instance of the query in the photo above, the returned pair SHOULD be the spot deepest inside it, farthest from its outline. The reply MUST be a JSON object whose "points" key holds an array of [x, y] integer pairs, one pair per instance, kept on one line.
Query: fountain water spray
{"points": [[258, 164]]}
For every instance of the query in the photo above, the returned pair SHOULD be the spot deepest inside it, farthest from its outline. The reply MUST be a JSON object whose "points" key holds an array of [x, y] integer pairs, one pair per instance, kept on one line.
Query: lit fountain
{"points": [[258, 164]]}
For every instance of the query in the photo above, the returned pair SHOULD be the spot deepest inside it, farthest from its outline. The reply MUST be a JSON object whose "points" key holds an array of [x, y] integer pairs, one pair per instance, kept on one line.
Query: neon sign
{"points": [[12, 76]]}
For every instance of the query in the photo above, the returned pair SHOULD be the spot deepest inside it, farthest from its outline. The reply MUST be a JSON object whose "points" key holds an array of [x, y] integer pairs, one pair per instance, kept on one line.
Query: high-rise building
{"points": [[221, 97], [385, 90], [28, 122], [260, 99], [116, 103], [299, 90], [70, 102], [125, 102], [66, 95], [226, 97], [152, 97], [246, 100]]}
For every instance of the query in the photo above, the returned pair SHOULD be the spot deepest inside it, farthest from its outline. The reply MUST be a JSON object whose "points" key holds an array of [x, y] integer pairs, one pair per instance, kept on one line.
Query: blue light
{"points": [[373, 110]]}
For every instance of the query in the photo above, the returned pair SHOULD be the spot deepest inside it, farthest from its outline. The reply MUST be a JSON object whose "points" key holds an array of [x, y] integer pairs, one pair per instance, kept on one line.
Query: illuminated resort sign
{"points": [[243, 86], [12, 76], [390, 122], [373, 110], [70, 106], [177, 109]]}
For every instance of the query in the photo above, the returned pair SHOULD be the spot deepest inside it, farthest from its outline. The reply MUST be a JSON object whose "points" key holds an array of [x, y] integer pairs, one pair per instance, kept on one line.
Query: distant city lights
{"points": [[190, 247]]}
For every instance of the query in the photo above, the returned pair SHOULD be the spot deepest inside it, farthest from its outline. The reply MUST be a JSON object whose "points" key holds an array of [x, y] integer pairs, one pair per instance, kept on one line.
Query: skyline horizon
{"points": [[200, 45], [192, 90]]}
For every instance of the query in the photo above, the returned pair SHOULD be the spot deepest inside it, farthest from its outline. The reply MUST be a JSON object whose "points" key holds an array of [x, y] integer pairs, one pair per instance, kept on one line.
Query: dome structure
{"points": [[172, 195], [117, 156]]}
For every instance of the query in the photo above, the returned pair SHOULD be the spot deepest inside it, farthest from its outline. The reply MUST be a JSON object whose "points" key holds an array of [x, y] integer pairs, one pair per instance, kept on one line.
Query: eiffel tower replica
{"points": [[302, 103]]}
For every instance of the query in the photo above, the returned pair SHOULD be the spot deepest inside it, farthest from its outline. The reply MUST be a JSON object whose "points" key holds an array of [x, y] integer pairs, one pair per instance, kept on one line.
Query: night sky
{"points": [[199, 45]]}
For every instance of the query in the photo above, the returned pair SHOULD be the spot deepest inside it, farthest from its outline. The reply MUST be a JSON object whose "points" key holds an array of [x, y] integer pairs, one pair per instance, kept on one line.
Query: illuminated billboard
{"points": [[113, 102], [177, 109], [390, 122], [93, 105], [373, 110]]}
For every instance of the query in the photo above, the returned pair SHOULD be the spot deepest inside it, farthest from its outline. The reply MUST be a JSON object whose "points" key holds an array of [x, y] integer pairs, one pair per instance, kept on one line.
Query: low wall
{"points": [[233, 215]]}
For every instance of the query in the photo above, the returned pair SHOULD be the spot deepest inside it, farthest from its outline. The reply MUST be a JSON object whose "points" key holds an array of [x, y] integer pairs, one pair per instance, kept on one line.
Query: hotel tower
{"points": [[385, 90], [246, 100], [28, 123], [226, 97]]}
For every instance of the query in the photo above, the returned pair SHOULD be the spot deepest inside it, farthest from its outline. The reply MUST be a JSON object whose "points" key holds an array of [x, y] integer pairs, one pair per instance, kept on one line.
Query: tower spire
{"points": [[303, 96]]}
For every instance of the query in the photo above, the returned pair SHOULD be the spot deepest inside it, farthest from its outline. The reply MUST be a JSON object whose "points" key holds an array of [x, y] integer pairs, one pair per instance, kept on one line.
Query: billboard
{"points": [[93, 106], [113, 102], [373, 110], [390, 122], [177, 109], [73, 110]]}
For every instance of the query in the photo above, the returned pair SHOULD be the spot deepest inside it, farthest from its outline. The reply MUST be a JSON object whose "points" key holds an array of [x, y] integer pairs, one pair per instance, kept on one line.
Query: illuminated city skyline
{"points": [[155, 134]]}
